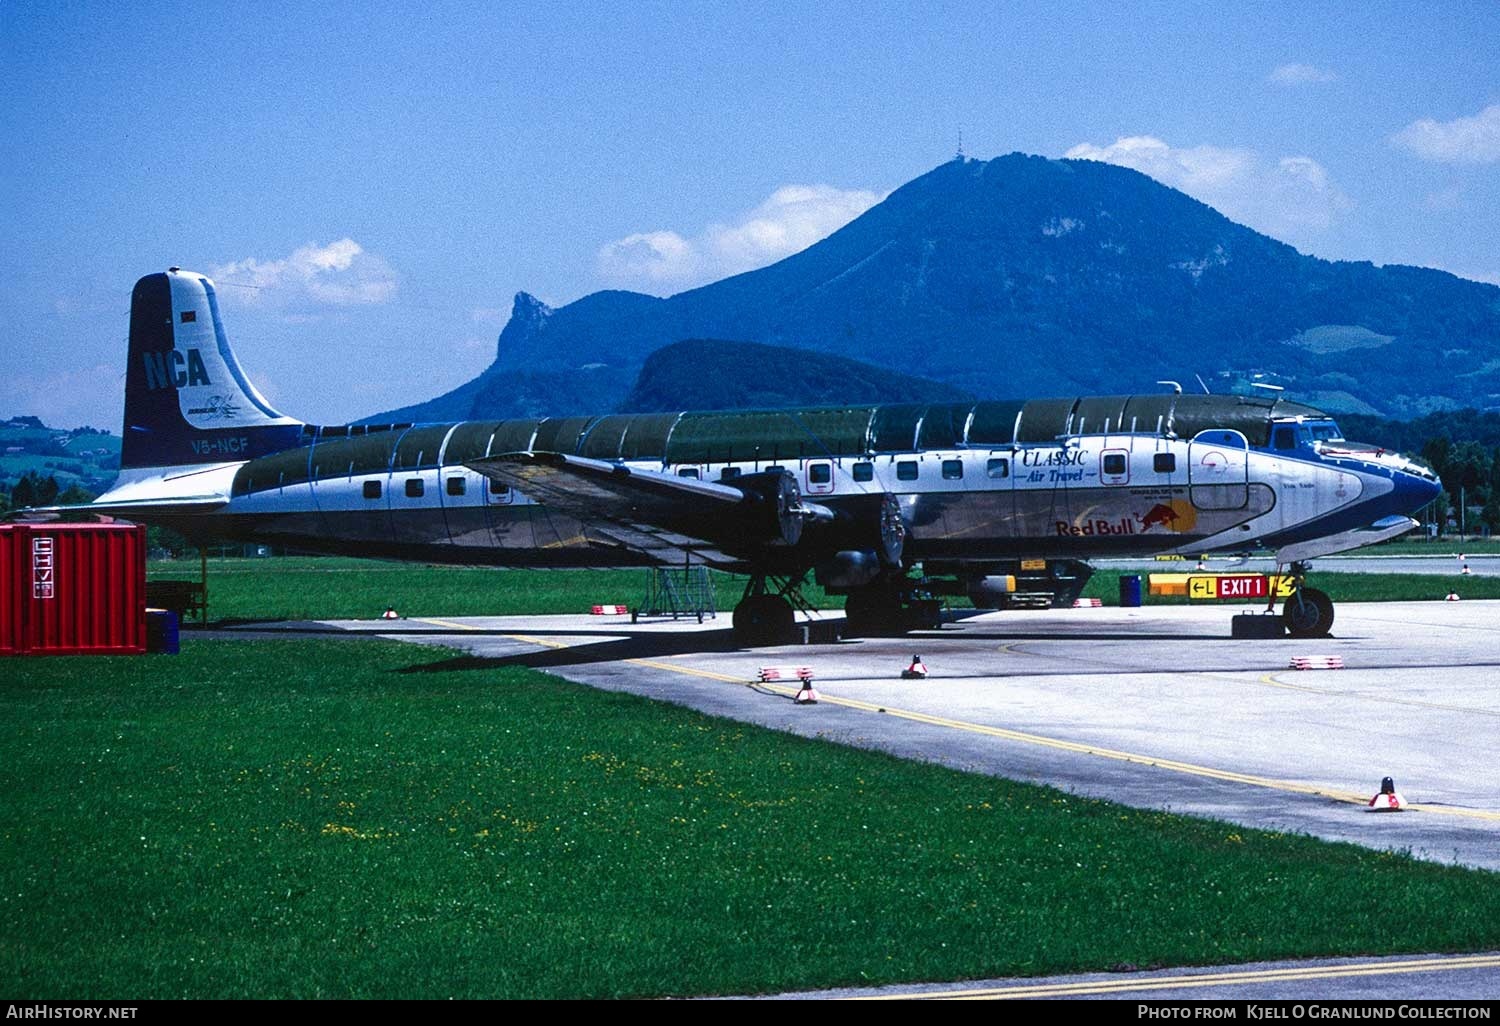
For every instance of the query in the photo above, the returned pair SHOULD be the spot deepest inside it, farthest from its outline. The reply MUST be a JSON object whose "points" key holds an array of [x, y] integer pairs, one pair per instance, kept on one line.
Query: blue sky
{"points": [[372, 183]]}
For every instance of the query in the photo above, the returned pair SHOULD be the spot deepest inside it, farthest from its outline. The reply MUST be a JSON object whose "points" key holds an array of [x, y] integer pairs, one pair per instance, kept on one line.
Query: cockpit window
{"points": [[1310, 432]]}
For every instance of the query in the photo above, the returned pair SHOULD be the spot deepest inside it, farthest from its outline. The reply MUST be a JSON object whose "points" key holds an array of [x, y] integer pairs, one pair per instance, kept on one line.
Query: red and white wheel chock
{"points": [[806, 694], [1317, 662], [1388, 799]]}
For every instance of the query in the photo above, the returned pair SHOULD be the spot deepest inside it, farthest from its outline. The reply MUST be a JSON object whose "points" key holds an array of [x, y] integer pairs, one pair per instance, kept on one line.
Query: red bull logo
{"points": [[1093, 528], [1160, 515]]}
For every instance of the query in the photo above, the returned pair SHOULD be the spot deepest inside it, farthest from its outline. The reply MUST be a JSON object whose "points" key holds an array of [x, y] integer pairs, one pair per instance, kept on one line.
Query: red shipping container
{"points": [[72, 589]]}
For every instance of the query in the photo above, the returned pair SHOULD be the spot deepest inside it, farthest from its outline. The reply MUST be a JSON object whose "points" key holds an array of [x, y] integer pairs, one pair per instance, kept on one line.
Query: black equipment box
{"points": [[1257, 625]]}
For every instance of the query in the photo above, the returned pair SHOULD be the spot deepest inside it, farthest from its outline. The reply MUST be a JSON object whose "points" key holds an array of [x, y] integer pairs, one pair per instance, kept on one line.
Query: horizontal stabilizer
{"points": [[184, 505]]}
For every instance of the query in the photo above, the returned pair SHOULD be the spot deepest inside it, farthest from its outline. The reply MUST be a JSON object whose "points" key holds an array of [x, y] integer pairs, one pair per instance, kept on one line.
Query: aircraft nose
{"points": [[1413, 491]]}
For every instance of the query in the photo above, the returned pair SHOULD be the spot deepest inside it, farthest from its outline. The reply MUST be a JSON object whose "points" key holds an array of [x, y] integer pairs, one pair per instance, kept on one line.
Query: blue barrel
{"points": [[161, 631], [1130, 589]]}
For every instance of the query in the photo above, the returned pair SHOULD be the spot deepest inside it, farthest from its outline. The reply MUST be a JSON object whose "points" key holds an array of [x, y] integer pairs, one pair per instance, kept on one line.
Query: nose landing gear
{"points": [[1308, 612]]}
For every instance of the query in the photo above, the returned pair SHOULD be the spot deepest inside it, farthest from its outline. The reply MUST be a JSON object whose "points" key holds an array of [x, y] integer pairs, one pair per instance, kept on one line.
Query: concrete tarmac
{"points": [[1155, 707], [1466, 981]]}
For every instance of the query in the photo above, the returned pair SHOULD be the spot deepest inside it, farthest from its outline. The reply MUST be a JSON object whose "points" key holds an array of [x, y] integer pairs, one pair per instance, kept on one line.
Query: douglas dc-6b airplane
{"points": [[1000, 500]]}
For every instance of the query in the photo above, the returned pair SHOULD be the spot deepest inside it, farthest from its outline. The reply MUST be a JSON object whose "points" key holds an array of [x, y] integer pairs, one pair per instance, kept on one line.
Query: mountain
{"points": [[721, 375], [1024, 276]]}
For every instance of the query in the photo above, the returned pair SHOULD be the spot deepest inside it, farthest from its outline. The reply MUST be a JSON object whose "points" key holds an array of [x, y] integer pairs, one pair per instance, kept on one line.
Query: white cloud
{"points": [[1474, 140], [341, 273], [1290, 198], [652, 259], [1300, 74], [791, 219]]}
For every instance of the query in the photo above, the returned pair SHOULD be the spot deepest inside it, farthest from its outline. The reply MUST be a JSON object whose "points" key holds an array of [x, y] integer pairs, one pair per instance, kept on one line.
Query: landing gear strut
{"points": [[1308, 612], [765, 617]]}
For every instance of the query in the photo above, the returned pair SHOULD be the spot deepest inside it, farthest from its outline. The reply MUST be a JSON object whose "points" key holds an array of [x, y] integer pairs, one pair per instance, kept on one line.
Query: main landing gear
{"points": [[766, 613], [1308, 612]]}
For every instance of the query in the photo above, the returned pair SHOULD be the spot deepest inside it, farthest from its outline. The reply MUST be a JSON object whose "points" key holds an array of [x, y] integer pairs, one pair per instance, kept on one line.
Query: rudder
{"points": [[187, 401]]}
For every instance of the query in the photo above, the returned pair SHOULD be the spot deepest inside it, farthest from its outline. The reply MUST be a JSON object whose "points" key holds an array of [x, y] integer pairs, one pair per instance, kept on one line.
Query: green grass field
{"points": [[308, 587], [304, 818], [305, 588], [1448, 545]]}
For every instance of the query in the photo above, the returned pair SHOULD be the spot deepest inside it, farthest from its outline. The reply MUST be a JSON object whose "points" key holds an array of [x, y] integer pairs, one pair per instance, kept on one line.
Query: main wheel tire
{"points": [[764, 620], [1308, 613]]}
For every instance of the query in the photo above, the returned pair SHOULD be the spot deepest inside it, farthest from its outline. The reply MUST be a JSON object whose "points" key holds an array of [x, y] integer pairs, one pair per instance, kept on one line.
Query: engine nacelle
{"points": [[851, 568], [991, 592], [870, 523], [777, 500]]}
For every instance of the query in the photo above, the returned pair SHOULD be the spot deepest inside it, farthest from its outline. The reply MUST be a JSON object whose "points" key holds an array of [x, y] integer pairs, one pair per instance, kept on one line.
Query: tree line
{"points": [[1463, 446]]}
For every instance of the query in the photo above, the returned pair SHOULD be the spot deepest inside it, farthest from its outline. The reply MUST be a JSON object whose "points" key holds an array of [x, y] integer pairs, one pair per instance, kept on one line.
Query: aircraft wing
{"points": [[656, 513]]}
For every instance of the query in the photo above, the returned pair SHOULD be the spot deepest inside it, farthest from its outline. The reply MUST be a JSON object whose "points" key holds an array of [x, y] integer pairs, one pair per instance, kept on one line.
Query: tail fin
{"points": [[186, 399]]}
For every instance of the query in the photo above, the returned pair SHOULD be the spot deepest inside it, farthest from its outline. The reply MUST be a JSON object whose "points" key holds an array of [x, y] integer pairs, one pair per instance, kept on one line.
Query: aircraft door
{"points": [[996, 493], [504, 520], [1219, 469], [818, 477]]}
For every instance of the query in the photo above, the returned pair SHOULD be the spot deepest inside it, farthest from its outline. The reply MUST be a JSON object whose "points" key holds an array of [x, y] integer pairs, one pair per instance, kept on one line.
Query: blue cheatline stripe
{"points": [[228, 356]]}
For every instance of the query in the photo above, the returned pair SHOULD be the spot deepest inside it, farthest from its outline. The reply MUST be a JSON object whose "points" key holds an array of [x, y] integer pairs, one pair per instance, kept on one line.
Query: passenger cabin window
{"points": [[414, 488], [906, 470], [774, 469], [729, 473], [1285, 438], [457, 486], [688, 472], [864, 471], [372, 489], [953, 470], [499, 492], [998, 466], [1164, 462], [819, 473], [1114, 463]]}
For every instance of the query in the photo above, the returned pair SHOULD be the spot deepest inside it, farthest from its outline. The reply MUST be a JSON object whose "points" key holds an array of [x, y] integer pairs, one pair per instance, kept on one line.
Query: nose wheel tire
{"points": [[1308, 613]]}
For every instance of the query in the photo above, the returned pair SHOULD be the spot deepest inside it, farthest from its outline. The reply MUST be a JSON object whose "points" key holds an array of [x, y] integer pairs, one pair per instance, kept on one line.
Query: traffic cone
{"points": [[390, 614], [807, 695], [1465, 570], [1388, 800], [916, 671], [1452, 597]]}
